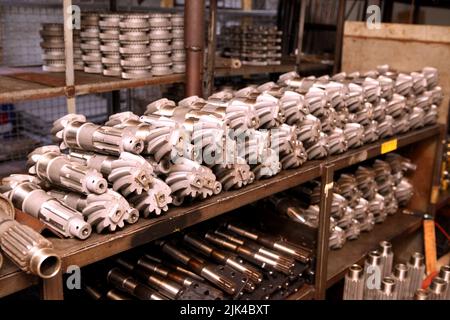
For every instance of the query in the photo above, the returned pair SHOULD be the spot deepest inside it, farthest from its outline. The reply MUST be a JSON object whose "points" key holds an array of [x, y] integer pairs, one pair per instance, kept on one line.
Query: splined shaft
{"points": [[387, 290], [127, 283], [30, 251], [354, 283], [31, 199], [387, 257], [416, 268], [50, 165], [437, 289], [372, 272], [444, 274], [402, 281]]}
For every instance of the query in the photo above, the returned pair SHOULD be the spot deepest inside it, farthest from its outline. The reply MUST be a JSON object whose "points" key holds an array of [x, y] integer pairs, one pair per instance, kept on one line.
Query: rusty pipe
{"points": [[194, 11]]}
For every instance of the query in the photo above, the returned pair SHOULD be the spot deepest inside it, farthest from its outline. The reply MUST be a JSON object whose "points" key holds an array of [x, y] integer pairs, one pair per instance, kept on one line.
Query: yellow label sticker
{"points": [[389, 146]]}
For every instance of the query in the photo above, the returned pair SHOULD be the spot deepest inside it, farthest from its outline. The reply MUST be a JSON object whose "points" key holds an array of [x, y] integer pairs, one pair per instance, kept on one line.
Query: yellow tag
{"points": [[389, 146]]}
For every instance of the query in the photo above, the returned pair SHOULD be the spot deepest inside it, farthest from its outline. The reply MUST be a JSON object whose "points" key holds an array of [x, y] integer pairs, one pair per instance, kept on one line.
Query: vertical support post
{"points": [[323, 233], [52, 289], [194, 11], [339, 37], [68, 52], [301, 28], [115, 95], [388, 7], [436, 182], [212, 39]]}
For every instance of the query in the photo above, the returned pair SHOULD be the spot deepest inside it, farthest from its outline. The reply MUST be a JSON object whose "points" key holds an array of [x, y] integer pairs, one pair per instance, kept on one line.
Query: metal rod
{"points": [[301, 28], [323, 234], [193, 37], [68, 52], [339, 36], [212, 39]]}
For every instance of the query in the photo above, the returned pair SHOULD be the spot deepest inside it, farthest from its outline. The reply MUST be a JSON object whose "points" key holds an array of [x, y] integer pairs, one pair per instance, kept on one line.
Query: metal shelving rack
{"points": [[423, 146]]}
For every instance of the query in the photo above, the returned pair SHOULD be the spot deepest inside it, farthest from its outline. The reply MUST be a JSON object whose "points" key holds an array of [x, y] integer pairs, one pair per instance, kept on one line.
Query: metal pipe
{"points": [[301, 27], [212, 39], [68, 51], [193, 38]]}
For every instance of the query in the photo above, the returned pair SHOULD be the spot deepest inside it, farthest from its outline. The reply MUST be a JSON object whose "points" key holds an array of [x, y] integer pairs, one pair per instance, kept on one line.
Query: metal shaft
{"points": [[387, 257], [372, 272], [416, 268], [354, 283], [402, 281], [444, 274], [438, 289]]}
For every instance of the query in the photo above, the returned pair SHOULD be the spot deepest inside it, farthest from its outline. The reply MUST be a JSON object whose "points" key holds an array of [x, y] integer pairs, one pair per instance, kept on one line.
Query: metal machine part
{"points": [[337, 141], [316, 99], [49, 164], [372, 265], [222, 257], [72, 131], [347, 186], [319, 149], [337, 238], [129, 173], [387, 258], [416, 267], [290, 150], [187, 178], [309, 130], [155, 200], [352, 229], [371, 132], [234, 176], [421, 294], [438, 289], [31, 199], [386, 127], [377, 208], [365, 179], [108, 211], [283, 246], [247, 253], [402, 281], [404, 190], [30, 251], [382, 169], [444, 274], [388, 290], [128, 284], [354, 283], [207, 271], [354, 134]]}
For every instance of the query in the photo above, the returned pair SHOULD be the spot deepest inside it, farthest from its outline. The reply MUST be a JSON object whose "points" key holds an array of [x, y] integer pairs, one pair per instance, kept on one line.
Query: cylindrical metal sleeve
{"points": [[354, 283], [416, 267], [194, 43]]}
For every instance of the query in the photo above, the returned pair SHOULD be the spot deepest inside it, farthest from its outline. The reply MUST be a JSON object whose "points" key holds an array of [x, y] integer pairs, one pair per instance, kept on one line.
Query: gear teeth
{"points": [[153, 201]]}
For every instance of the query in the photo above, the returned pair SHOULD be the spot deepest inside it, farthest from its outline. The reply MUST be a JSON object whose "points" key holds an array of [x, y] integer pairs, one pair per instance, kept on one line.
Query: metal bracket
{"points": [[69, 91]]}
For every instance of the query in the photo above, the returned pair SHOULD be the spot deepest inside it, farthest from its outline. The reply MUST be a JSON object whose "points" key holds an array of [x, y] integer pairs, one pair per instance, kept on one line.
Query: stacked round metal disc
{"points": [[90, 43], [134, 45], [53, 47], [78, 63], [160, 43], [109, 44], [178, 50], [260, 45]]}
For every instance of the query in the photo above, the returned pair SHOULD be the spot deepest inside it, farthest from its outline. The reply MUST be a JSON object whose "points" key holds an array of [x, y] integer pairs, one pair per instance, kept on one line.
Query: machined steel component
{"points": [[319, 149], [371, 89], [367, 222], [354, 97], [337, 141], [31, 199], [129, 173], [287, 248], [347, 186], [371, 132], [372, 265], [431, 116], [364, 116], [404, 190], [397, 106], [49, 164], [222, 257], [359, 207], [250, 255], [337, 238], [419, 82], [400, 164], [379, 110], [431, 76], [106, 211], [388, 290], [437, 95], [187, 178], [154, 200], [438, 289], [382, 169], [316, 98], [291, 151], [354, 283], [387, 87], [329, 120], [365, 179], [403, 84], [444, 274], [354, 134], [402, 281], [293, 106], [377, 208], [387, 258], [421, 294], [353, 230], [338, 206], [386, 127], [416, 267], [309, 130], [401, 124], [127, 283], [200, 268], [30, 251], [234, 176], [74, 132]]}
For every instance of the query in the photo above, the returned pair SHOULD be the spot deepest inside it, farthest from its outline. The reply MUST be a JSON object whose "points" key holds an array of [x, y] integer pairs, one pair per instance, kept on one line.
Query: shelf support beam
{"points": [[194, 12], [68, 52], [301, 28], [212, 40], [323, 233]]}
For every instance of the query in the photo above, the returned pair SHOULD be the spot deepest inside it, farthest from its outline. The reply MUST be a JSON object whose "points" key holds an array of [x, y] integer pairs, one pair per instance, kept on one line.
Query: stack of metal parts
{"points": [[90, 43], [230, 262], [357, 109], [380, 280], [359, 200], [78, 63], [134, 45], [26, 248], [160, 43], [178, 55], [52, 45], [109, 38], [254, 45]]}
